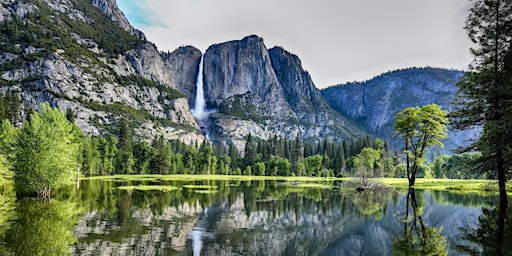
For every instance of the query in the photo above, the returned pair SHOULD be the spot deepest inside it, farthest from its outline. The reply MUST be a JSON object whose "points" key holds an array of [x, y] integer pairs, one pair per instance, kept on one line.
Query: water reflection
{"points": [[7, 210], [372, 202], [249, 218], [200, 233], [492, 234], [42, 228], [418, 238]]}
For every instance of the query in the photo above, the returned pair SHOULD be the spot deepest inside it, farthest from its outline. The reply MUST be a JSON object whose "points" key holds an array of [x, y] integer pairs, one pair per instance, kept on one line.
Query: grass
{"points": [[148, 188], [208, 187], [305, 182], [205, 191], [308, 185], [446, 184], [195, 177]]}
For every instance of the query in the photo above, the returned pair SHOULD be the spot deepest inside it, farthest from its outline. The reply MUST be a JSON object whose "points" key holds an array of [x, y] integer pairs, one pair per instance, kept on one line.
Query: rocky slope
{"points": [[52, 51], [265, 92], [373, 104]]}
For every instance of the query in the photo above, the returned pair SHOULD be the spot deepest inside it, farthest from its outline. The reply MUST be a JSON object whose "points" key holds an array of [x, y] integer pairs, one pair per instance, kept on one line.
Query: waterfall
{"points": [[199, 110]]}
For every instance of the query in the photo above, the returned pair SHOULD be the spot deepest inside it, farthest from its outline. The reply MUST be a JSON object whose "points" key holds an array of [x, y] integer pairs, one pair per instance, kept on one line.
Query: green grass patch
{"points": [[307, 185], [148, 188], [209, 187], [446, 184], [206, 191], [196, 177], [314, 182]]}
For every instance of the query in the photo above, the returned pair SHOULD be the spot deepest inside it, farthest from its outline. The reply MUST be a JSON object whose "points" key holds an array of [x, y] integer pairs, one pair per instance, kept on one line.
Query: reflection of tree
{"points": [[418, 239], [7, 204], [492, 234], [372, 202], [42, 228]]}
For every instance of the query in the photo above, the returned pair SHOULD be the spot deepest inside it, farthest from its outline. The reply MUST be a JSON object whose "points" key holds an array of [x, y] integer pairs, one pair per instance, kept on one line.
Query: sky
{"points": [[338, 41]]}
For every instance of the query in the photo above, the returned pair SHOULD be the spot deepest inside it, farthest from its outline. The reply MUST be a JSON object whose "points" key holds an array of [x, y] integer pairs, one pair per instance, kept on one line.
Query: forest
{"points": [[124, 153]]}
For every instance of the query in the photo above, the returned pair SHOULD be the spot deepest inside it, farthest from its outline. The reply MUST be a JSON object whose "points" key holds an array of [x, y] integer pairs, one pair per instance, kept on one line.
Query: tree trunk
{"points": [[503, 202], [412, 179], [44, 193]]}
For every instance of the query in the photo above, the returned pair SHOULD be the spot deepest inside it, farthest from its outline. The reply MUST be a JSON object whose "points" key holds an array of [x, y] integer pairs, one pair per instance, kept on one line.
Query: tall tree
{"points": [[124, 160], [485, 92], [46, 153], [161, 161], [420, 128], [125, 137], [297, 150], [250, 152]]}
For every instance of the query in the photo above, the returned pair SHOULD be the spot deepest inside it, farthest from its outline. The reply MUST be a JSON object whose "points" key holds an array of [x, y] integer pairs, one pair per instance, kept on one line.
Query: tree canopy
{"points": [[46, 153], [420, 128]]}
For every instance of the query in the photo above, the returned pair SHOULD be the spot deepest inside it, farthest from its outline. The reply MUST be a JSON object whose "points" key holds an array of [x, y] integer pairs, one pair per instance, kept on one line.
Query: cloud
{"points": [[140, 14]]}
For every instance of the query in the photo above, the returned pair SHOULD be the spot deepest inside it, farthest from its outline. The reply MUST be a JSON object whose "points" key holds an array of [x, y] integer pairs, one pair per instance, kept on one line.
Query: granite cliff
{"points": [[53, 51], [265, 93]]}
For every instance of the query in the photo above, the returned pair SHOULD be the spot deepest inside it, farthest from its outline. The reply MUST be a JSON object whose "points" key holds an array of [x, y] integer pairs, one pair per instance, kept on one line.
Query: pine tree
{"points": [[297, 150], [125, 160], [485, 92], [234, 156], [161, 162], [125, 137], [70, 116], [250, 152], [346, 149], [12, 107]]}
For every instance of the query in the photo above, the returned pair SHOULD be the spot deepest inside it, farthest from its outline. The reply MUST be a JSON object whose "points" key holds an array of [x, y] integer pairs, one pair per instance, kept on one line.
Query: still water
{"points": [[247, 218]]}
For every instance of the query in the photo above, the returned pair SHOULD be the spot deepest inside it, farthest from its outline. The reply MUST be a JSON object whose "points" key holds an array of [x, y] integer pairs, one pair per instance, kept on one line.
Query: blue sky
{"points": [[338, 41]]}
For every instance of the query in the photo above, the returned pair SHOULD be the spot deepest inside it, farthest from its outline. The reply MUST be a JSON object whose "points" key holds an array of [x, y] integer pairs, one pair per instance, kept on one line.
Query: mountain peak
{"points": [[110, 8]]}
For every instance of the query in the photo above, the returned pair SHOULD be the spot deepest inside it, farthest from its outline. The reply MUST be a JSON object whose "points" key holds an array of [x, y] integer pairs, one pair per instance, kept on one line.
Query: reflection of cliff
{"points": [[311, 230], [262, 219], [142, 233]]}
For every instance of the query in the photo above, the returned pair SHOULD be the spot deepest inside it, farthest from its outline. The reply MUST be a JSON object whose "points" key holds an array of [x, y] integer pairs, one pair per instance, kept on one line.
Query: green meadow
{"points": [[311, 182]]}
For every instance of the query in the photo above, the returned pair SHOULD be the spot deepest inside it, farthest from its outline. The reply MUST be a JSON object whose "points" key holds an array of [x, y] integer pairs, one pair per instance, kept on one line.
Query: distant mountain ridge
{"points": [[372, 104]]}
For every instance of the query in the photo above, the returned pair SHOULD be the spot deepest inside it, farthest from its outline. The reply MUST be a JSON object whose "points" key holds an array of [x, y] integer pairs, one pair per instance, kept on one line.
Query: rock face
{"points": [[373, 104], [265, 92], [92, 76], [184, 65]]}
